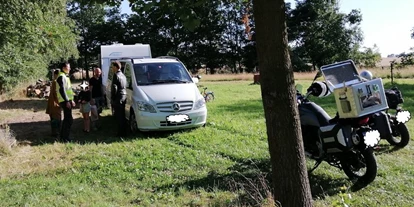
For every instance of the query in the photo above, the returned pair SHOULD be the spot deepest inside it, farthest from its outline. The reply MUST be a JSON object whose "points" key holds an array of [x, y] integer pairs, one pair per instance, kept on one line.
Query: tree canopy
{"points": [[33, 35], [222, 36]]}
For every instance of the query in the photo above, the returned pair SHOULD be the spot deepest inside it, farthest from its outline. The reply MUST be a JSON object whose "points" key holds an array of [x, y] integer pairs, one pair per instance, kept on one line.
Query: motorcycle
{"points": [[345, 143], [392, 126]]}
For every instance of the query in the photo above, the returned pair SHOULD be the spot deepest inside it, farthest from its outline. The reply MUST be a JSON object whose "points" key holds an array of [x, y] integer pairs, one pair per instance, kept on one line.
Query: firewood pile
{"points": [[40, 89]]}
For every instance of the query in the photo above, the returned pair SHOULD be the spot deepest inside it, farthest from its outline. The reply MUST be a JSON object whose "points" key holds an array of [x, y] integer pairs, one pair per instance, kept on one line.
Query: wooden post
{"points": [[392, 73]]}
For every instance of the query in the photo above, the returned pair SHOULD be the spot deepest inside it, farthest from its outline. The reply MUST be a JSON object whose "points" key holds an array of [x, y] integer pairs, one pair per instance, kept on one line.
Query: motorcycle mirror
{"points": [[320, 89], [317, 75]]}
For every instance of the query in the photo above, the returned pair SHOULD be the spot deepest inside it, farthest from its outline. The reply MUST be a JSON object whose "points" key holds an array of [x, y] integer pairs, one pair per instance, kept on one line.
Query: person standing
{"points": [[97, 95], [53, 107], [65, 97], [96, 88], [85, 106], [118, 97]]}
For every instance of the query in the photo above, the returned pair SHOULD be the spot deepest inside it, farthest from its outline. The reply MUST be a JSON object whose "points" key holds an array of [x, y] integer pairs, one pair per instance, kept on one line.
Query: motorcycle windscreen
{"points": [[336, 138]]}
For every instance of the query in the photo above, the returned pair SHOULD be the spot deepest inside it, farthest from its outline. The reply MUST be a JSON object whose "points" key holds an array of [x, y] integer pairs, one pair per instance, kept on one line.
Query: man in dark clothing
{"points": [[118, 97], [95, 86], [65, 97]]}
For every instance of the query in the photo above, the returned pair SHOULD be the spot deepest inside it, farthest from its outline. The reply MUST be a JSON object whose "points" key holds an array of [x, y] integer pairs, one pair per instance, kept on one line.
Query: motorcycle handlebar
{"points": [[300, 98]]}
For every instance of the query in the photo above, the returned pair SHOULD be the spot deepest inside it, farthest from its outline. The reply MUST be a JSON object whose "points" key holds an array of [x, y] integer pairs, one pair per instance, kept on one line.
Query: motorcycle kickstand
{"points": [[315, 166]]}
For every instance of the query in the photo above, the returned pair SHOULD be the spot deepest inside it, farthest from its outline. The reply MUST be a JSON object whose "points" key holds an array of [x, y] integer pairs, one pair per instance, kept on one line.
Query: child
{"points": [[94, 114], [85, 106]]}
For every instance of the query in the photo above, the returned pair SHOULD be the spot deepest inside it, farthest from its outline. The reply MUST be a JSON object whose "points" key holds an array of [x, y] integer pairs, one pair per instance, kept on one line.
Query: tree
{"points": [[96, 25], [322, 34], [369, 57], [211, 37], [32, 36], [290, 180], [412, 33]]}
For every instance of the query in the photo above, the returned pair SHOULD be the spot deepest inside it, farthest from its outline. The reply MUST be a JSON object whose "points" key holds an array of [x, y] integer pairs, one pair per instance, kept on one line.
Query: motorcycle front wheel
{"points": [[400, 135], [360, 165]]}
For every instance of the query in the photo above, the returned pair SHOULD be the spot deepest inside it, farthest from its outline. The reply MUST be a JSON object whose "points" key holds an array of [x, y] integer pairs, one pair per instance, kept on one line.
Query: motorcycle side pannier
{"points": [[382, 124], [394, 97], [336, 138]]}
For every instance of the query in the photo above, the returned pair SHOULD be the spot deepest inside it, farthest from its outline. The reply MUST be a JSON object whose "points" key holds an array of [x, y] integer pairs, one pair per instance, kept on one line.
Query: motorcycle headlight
{"points": [[143, 106], [372, 138], [200, 103], [403, 116]]}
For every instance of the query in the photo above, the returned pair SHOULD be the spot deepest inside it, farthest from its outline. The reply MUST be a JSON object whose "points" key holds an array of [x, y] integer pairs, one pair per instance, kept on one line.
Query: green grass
{"points": [[201, 167]]}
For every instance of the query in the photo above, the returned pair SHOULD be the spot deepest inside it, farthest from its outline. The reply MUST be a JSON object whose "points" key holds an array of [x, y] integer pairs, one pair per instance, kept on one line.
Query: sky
{"points": [[386, 23]]}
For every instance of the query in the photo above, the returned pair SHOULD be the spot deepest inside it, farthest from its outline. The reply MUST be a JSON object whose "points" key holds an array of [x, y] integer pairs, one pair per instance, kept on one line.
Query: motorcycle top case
{"points": [[354, 96], [336, 138]]}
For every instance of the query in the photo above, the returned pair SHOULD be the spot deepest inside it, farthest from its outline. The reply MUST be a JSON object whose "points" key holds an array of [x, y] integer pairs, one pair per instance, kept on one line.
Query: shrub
{"points": [[7, 140]]}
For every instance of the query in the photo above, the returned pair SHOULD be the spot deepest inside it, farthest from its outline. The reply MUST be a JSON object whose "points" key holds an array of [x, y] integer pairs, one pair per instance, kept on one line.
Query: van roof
{"points": [[154, 60]]}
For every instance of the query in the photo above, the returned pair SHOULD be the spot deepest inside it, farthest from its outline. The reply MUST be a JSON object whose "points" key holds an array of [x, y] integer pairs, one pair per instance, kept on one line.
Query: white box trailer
{"points": [[113, 52]]}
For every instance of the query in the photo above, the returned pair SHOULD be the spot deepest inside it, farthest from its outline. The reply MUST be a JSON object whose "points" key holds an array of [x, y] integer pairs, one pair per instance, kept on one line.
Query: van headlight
{"points": [[199, 103], [143, 106]]}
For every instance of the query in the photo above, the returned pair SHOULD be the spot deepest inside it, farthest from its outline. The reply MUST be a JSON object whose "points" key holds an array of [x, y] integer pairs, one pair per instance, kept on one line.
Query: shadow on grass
{"points": [[32, 133], [249, 178], [252, 180], [322, 185], [385, 149], [39, 133], [34, 104]]}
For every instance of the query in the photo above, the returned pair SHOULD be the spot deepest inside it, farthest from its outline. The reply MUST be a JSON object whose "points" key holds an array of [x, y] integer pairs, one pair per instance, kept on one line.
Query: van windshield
{"points": [[161, 73]]}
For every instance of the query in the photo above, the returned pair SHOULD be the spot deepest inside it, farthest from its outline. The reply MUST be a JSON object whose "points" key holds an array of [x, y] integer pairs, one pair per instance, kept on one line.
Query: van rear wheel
{"points": [[133, 126]]}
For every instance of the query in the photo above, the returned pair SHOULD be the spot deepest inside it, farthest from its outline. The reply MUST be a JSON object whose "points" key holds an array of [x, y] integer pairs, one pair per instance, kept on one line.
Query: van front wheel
{"points": [[133, 126]]}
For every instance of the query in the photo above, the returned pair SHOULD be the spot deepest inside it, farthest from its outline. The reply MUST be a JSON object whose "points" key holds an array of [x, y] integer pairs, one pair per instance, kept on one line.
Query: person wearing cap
{"points": [[65, 97]]}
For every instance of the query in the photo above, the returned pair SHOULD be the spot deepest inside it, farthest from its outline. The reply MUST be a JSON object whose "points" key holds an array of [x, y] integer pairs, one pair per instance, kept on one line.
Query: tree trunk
{"points": [[290, 178]]}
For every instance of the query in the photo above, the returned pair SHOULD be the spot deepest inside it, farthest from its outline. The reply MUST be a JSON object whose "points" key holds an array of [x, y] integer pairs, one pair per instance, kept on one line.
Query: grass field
{"points": [[405, 73], [225, 163]]}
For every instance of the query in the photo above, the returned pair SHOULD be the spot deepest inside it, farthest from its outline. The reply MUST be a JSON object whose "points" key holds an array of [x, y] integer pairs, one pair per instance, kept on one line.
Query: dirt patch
{"points": [[26, 117]]}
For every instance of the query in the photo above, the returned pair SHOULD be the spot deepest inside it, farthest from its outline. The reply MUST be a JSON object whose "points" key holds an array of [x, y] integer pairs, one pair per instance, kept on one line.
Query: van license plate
{"points": [[177, 118]]}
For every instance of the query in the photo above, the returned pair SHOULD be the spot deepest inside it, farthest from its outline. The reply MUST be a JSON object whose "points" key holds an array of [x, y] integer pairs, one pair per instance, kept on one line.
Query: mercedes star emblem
{"points": [[176, 106]]}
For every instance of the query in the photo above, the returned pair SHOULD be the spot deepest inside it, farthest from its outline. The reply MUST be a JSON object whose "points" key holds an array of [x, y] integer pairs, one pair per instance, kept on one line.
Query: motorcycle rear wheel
{"points": [[353, 163], [400, 136]]}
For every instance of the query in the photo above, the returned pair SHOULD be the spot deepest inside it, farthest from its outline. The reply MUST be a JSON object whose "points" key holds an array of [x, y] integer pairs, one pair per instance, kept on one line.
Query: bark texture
{"points": [[290, 179]]}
